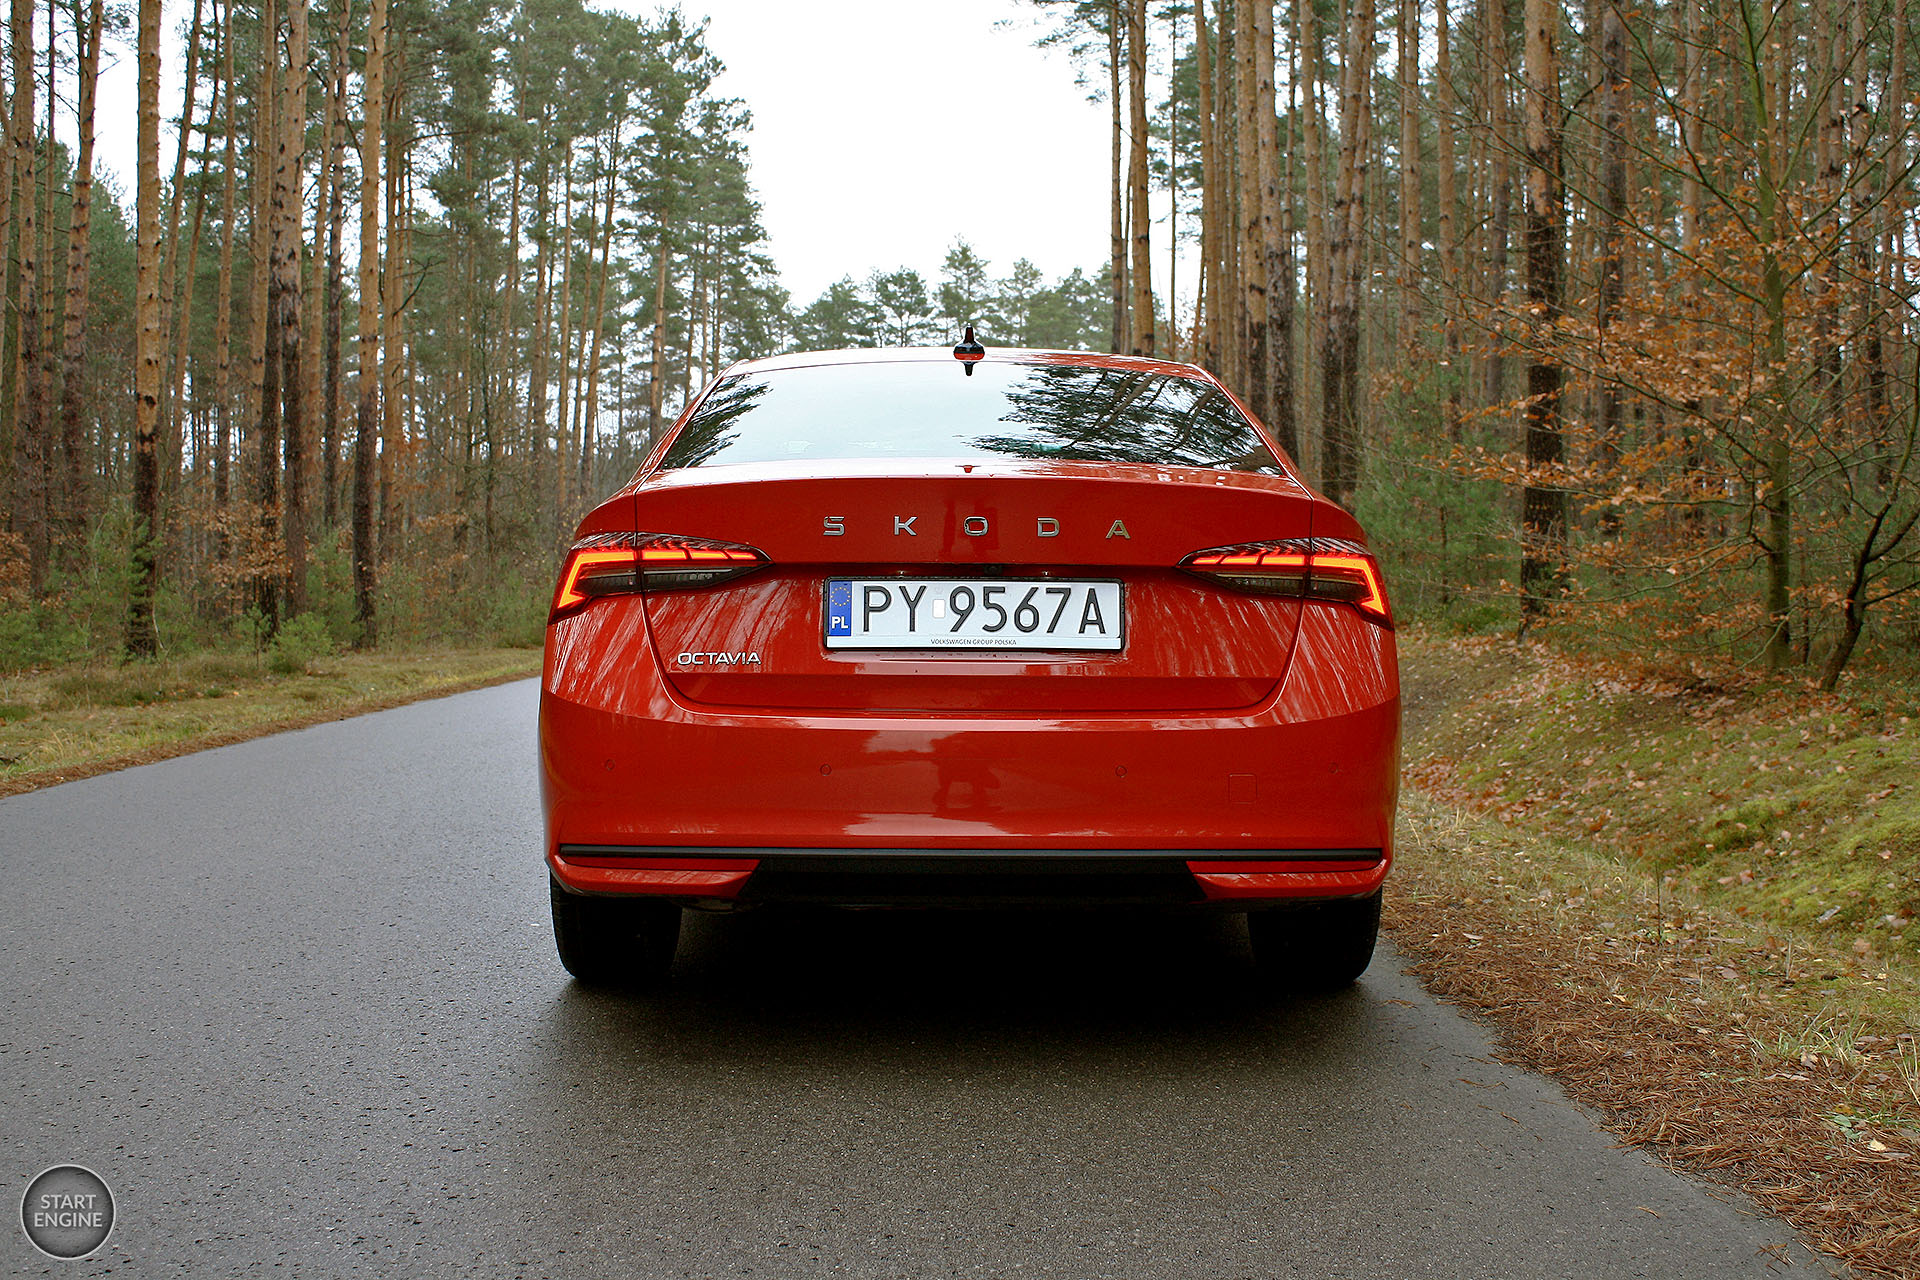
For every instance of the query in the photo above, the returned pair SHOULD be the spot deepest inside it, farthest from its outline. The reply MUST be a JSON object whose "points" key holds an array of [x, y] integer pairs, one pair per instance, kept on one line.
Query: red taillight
{"points": [[608, 564], [1311, 568]]}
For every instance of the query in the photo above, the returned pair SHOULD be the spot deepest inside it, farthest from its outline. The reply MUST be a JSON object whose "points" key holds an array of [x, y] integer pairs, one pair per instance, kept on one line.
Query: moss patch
{"points": [[1776, 801]]}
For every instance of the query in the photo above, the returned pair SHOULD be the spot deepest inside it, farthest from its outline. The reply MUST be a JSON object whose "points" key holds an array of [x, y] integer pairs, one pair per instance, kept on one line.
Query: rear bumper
{"points": [[971, 877], [647, 793]]}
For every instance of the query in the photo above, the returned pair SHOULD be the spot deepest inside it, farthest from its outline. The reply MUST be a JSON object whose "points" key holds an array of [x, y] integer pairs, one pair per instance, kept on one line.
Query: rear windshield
{"points": [[929, 409]]}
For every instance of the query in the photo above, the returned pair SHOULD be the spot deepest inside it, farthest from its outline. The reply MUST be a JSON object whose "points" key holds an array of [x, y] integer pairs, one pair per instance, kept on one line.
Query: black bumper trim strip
{"points": [[970, 859]]}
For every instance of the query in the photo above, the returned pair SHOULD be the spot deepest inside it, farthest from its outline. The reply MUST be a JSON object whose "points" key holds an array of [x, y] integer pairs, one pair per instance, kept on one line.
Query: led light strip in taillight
{"points": [[1331, 569], [608, 564]]}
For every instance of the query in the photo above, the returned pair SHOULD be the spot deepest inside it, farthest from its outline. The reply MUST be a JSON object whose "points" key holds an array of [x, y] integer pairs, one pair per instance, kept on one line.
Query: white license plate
{"points": [[974, 613]]}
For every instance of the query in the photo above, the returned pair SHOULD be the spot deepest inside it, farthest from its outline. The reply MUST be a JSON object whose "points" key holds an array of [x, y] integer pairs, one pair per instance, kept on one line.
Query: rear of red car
{"points": [[880, 630]]}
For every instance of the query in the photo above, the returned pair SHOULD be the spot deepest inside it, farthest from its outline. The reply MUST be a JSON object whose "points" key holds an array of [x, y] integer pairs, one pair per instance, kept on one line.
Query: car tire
{"points": [[615, 942], [1321, 947]]}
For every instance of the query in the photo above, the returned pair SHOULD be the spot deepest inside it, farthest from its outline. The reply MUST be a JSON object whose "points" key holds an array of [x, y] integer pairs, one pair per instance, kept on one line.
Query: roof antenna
{"points": [[968, 352]]}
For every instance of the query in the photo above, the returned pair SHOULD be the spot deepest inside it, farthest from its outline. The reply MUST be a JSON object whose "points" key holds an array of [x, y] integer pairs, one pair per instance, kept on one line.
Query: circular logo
{"points": [[67, 1211]]}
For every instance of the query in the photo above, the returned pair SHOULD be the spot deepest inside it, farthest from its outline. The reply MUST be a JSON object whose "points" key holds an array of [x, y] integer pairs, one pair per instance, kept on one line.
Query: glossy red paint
{"points": [[1231, 724]]}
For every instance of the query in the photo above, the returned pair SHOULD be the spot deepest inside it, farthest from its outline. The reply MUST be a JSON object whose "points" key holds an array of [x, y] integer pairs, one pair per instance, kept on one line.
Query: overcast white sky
{"points": [[883, 129]]}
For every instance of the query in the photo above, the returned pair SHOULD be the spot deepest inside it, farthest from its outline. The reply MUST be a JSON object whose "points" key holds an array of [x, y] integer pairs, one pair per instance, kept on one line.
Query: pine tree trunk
{"points": [[367, 408], [1692, 131], [1410, 239], [7, 163], [1901, 127], [1340, 415], [396, 440], [1172, 343], [223, 308], [1614, 89], [261, 406], [1869, 315], [30, 452], [334, 162], [1229, 297], [1275, 264], [1446, 111], [1892, 276], [1145, 340], [1306, 34], [174, 390], [1252, 284], [1493, 58], [289, 164], [656, 383], [1776, 225], [78, 501], [1830, 95], [1543, 514], [591, 400], [562, 442], [1207, 349], [1117, 257], [141, 640], [542, 308], [170, 251]]}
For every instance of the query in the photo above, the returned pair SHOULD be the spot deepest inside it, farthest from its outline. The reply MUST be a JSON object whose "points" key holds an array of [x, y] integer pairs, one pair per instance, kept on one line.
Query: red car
{"points": [[904, 627]]}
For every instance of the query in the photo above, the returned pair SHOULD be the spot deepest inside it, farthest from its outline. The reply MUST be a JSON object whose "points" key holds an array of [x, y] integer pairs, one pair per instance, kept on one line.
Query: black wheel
{"points": [[1321, 947], [615, 942]]}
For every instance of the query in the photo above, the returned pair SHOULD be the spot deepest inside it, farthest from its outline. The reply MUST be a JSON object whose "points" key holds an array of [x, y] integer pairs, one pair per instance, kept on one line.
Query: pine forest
{"points": [[1600, 317]]}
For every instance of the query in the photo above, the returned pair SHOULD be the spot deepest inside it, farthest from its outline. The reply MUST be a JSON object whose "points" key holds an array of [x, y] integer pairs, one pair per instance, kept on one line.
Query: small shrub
{"points": [[300, 642], [38, 636]]}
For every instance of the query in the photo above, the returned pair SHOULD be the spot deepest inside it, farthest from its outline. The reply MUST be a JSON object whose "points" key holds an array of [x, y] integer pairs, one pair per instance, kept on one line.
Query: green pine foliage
{"points": [[900, 309]]}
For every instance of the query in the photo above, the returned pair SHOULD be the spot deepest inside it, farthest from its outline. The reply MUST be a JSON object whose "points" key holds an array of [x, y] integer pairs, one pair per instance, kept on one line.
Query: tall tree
{"points": [[1276, 241], [170, 308], [1543, 513], [1340, 359], [1207, 348], [1614, 87], [289, 163], [333, 161], [1255, 165], [1446, 104], [1140, 270], [963, 290], [367, 408], [1408, 39], [30, 453], [78, 480], [142, 642], [263, 348], [223, 299], [1117, 256]]}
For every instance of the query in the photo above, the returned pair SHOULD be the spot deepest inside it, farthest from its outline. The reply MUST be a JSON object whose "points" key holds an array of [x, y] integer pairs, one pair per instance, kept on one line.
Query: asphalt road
{"points": [[296, 1001]]}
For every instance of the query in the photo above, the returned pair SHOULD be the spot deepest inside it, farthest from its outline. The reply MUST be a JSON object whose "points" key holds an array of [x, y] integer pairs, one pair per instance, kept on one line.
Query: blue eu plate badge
{"points": [[840, 607]]}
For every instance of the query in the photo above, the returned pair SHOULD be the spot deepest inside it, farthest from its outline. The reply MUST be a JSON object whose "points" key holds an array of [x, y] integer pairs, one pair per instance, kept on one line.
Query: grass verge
{"points": [[1714, 1018], [75, 722]]}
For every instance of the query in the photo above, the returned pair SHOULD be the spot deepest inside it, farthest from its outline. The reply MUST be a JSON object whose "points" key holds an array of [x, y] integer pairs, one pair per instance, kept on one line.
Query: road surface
{"points": [[296, 1001]]}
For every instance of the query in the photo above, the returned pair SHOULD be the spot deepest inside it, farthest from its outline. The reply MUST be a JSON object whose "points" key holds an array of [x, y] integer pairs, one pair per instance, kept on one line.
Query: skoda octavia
{"points": [[910, 627]]}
